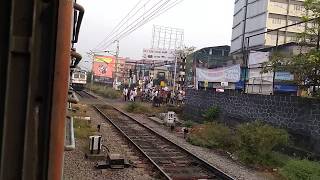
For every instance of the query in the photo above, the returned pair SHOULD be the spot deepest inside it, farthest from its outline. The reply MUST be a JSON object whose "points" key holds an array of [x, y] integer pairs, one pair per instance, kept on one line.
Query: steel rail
{"points": [[132, 142], [217, 172]]}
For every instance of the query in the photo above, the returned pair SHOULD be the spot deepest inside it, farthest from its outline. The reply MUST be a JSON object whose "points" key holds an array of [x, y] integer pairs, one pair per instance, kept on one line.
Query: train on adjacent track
{"points": [[78, 80]]}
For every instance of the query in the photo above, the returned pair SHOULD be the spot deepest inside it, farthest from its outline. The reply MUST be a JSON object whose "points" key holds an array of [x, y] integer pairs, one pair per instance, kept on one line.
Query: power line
{"points": [[122, 23], [147, 20], [133, 23], [155, 14]]}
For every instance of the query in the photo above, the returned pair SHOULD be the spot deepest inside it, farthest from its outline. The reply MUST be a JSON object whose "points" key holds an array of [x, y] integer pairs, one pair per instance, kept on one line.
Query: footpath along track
{"points": [[173, 161]]}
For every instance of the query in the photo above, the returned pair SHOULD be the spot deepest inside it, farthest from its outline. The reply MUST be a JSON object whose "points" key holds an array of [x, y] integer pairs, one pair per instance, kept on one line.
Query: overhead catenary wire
{"points": [[146, 14], [121, 27], [135, 28], [156, 13], [123, 21]]}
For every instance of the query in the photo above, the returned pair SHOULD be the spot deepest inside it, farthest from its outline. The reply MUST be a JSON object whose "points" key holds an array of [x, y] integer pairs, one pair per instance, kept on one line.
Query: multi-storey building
{"points": [[209, 57], [257, 16]]}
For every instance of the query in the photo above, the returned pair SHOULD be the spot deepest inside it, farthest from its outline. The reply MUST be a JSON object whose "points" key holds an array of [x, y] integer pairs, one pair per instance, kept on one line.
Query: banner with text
{"points": [[159, 54], [223, 74]]}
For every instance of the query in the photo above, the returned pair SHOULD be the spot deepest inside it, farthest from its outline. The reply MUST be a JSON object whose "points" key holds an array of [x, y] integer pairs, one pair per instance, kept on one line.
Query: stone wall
{"points": [[300, 116]]}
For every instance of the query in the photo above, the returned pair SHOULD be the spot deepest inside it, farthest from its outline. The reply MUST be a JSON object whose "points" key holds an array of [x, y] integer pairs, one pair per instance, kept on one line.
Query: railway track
{"points": [[173, 161], [85, 94]]}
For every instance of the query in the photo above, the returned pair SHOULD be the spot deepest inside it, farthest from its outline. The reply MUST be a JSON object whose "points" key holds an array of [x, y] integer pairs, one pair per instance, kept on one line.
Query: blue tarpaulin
{"points": [[285, 88], [239, 84]]}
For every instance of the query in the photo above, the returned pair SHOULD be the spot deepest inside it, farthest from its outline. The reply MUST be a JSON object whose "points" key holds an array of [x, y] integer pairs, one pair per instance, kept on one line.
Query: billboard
{"points": [[159, 54], [103, 66], [223, 74]]}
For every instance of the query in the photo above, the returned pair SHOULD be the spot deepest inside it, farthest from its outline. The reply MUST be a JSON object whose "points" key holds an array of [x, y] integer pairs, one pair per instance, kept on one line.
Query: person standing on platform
{"points": [[125, 94]]}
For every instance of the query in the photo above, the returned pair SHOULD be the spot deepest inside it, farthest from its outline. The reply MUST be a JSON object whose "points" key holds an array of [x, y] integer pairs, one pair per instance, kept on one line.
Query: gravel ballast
{"points": [[78, 168]]}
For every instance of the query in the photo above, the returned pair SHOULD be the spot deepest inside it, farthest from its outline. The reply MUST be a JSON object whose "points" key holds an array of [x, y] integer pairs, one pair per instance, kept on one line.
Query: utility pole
{"points": [[175, 72], [117, 56], [244, 49]]}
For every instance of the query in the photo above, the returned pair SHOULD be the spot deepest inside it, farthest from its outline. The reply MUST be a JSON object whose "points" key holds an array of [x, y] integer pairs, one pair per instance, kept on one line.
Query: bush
{"points": [[211, 114], [189, 124], [257, 140], [301, 170], [213, 135]]}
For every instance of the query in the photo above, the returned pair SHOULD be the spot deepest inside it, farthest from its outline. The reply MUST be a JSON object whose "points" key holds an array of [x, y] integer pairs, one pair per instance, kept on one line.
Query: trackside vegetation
{"points": [[253, 144]]}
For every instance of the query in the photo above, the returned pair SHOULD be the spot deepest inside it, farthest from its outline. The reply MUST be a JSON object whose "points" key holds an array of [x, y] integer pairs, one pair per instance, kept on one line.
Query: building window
{"points": [[273, 37], [298, 25], [276, 20], [279, 5], [298, 7], [292, 38]]}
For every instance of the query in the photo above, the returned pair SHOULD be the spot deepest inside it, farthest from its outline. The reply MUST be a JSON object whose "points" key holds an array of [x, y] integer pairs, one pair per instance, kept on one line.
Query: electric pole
{"points": [[175, 72], [117, 56]]}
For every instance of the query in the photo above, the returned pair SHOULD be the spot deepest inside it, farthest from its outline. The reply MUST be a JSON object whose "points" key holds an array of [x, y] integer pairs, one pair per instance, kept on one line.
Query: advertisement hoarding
{"points": [[159, 54], [103, 66], [224, 74]]}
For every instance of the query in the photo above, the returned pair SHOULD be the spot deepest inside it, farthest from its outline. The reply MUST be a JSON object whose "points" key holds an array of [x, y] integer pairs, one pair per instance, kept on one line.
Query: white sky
{"points": [[205, 23]]}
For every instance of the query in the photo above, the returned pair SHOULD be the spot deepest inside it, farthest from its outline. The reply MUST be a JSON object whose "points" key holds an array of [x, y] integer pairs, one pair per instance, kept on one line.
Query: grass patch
{"points": [[80, 110], [148, 109], [106, 92], [136, 107], [82, 129], [301, 170]]}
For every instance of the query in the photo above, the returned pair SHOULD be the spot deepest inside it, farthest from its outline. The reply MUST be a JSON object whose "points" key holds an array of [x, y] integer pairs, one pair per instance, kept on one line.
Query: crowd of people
{"points": [[157, 96]]}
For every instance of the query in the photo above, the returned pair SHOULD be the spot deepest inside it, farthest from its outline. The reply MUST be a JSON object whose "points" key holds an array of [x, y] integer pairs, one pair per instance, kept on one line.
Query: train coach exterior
{"points": [[79, 80]]}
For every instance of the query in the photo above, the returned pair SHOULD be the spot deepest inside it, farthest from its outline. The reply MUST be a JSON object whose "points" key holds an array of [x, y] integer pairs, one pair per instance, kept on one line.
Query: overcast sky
{"points": [[205, 23]]}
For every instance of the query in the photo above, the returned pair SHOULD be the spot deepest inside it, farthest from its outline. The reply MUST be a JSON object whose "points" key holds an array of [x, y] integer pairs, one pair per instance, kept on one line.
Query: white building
{"points": [[262, 15]]}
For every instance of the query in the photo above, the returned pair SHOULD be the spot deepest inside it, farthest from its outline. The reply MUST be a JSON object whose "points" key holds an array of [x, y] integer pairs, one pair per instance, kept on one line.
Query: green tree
{"points": [[305, 65]]}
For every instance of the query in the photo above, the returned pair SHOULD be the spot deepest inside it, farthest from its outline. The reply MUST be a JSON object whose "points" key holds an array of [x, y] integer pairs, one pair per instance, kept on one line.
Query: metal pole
{"points": [[175, 72], [318, 44], [244, 25], [92, 72], [245, 57], [318, 39], [91, 81], [274, 72], [117, 56], [59, 91], [277, 41]]}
